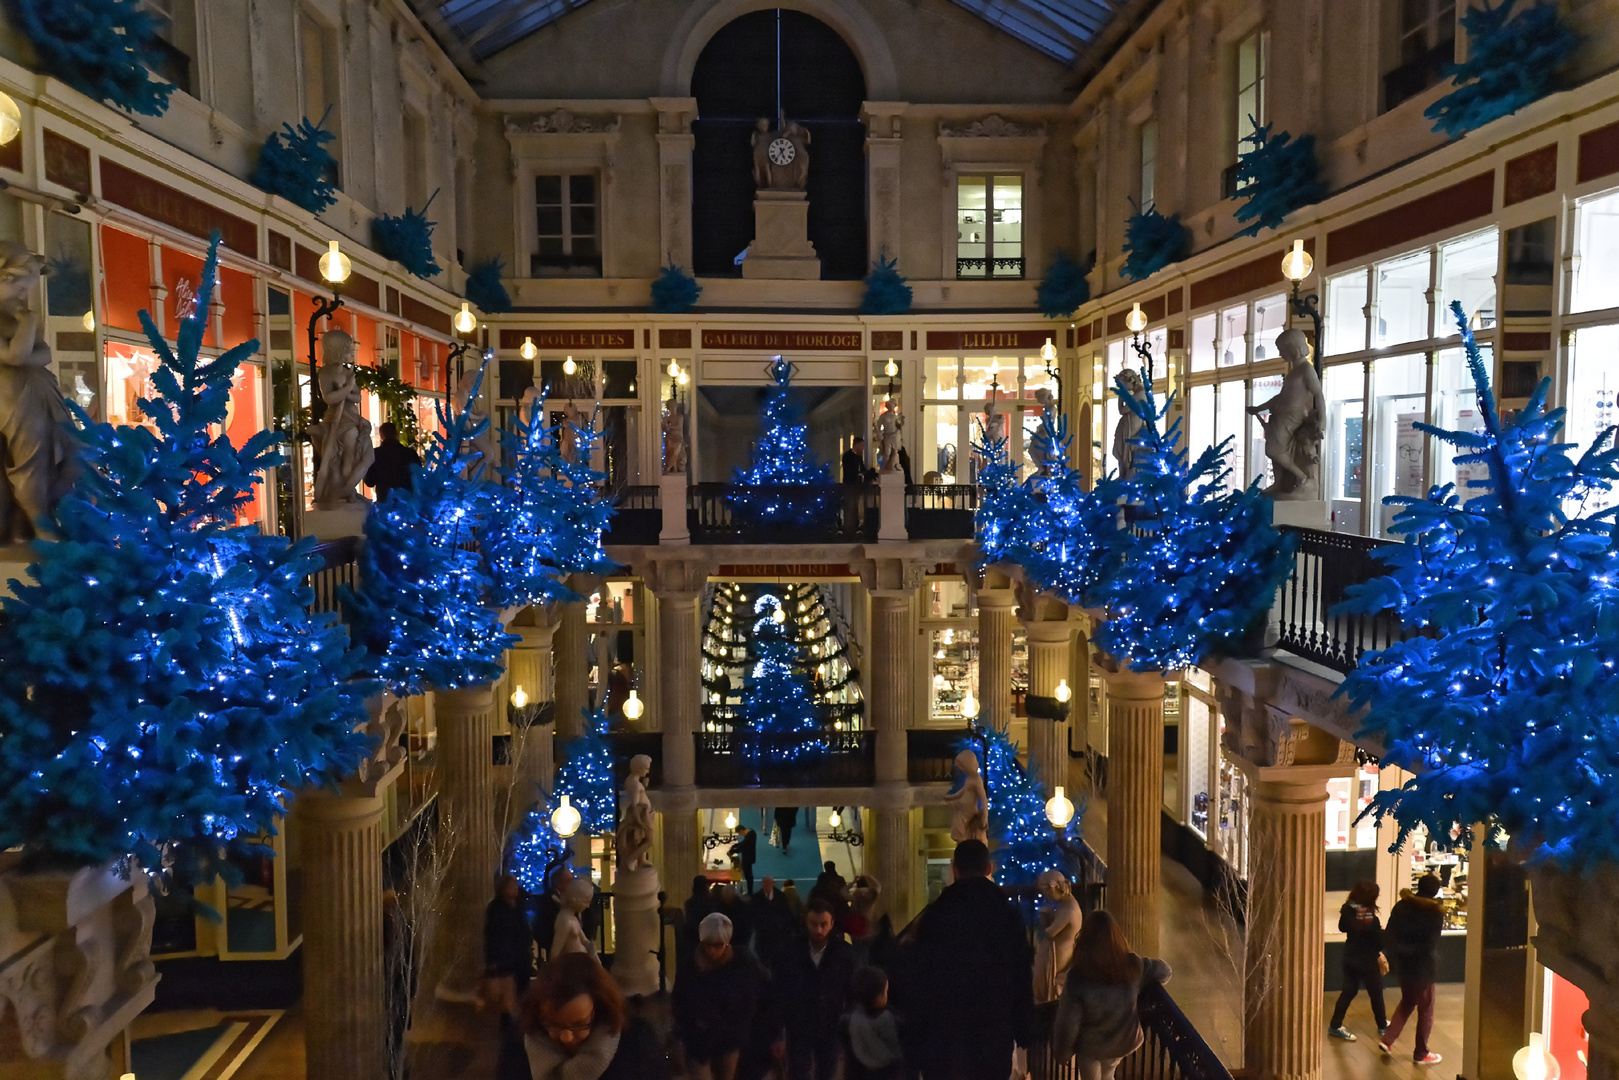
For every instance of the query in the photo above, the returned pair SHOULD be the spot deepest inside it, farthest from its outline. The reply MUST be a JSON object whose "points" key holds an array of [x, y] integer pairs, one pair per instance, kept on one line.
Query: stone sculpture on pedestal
{"points": [[1128, 429], [341, 437], [1297, 419], [970, 805], [1059, 926], [674, 437], [635, 891], [36, 451], [635, 818], [569, 934], [889, 425]]}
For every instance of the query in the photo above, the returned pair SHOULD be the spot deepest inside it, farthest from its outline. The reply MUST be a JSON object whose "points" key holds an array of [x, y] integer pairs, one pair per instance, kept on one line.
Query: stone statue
{"points": [[674, 437], [37, 452], [1298, 415], [1048, 402], [635, 817], [569, 933], [970, 805], [1128, 429], [1059, 926], [341, 437], [780, 157], [889, 424], [483, 443]]}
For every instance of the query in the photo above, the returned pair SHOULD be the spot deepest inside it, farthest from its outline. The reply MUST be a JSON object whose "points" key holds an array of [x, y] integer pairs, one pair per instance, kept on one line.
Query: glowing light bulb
{"points": [[969, 704], [730, 822], [519, 697], [528, 350], [569, 367], [90, 320], [674, 370], [465, 321], [1062, 693], [633, 706], [1048, 351], [1136, 321], [835, 820], [1059, 810], [1297, 264], [1535, 1062], [335, 266], [778, 616], [10, 119], [683, 378], [565, 819], [891, 369]]}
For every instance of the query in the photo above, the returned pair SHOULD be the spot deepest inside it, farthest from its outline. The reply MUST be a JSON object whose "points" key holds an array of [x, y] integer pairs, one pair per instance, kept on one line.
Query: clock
{"points": [[782, 152]]}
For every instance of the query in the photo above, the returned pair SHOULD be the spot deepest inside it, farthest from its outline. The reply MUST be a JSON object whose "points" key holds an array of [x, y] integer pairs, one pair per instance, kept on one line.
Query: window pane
{"points": [[1402, 300], [582, 189], [1203, 342], [982, 371], [1110, 410], [1259, 466], [1592, 381], [548, 220], [939, 442], [1596, 253], [1467, 273], [1455, 408], [1232, 423], [1399, 385], [1035, 377], [1270, 319], [1343, 468], [582, 221], [549, 247], [548, 190], [585, 248], [972, 226], [1200, 428], [940, 378], [1006, 226], [1346, 313], [1149, 161], [1234, 328]]}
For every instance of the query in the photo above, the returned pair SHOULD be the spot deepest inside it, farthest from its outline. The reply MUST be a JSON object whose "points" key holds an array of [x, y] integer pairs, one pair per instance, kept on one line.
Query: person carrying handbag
{"points": [[1364, 963]]}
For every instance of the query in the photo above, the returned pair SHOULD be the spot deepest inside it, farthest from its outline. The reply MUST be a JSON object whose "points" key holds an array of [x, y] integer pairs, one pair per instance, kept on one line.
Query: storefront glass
{"points": [[1203, 331], [941, 377], [1232, 423], [1200, 425], [1455, 408], [1259, 466], [1596, 253], [1399, 388], [1402, 300], [1343, 468], [1467, 273], [1270, 319], [1233, 336], [1345, 329], [1592, 383]]}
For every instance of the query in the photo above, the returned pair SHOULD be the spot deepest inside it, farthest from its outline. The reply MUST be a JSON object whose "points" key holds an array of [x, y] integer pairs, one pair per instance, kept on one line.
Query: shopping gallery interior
{"points": [[666, 444]]}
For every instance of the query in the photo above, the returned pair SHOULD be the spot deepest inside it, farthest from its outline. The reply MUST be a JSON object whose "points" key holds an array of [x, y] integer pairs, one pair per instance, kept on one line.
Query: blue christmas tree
{"points": [[1276, 176], [1152, 241], [105, 49], [534, 845], [886, 290], [785, 489], [1510, 62], [586, 776], [485, 290], [407, 239], [1063, 289], [1025, 843], [421, 604], [548, 519], [674, 291], [777, 702], [1503, 700], [1200, 564], [297, 166], [163, 684]]}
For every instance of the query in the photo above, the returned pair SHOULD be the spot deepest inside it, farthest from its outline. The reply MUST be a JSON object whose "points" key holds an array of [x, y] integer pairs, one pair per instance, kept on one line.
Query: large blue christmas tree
{"points": [[163, 684], [421, 606], [777, 701], [785, 488], [1026, 845], [1503, 702], [547, 521]]}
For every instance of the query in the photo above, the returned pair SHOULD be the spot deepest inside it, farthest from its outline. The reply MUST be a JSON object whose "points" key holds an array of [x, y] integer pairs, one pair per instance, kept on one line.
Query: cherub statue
{"points": [[994, 422], [1059, 926], [635, 818], [970, 805], [674, 437], [1297, 419], [342, 437], [569, 933], [1128, 429], [1047, 400], [889, 424], [37, 453]]}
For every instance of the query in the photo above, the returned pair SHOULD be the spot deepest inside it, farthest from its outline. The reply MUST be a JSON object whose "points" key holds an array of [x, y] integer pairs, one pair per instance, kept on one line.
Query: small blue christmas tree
{"points": [[674, 291], [784, 488], [421, 603], [297, 166], [1503, 701], [484, 288], [1200, 565], [407, 239], [1026, 845], [534, 845], [1153, 241], [102, 48], [777, 702], [886, 290], [548, 519], [586, 776], [1064, 288], [1510, 62], [163, 684], [1275, 177]]}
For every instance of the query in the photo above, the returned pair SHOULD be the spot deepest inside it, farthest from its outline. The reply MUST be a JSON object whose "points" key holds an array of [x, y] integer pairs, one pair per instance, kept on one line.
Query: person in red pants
{"points": [[1412, 942]]}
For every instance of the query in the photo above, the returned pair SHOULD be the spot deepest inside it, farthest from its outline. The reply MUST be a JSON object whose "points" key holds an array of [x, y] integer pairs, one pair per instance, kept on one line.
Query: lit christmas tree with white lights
{"points": [[785, 488]]}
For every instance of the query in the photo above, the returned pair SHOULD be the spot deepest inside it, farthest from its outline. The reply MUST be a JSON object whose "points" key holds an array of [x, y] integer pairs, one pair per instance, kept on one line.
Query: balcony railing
{"points": [[339, 565], [930, 754], [989, 268], [725, 716], [799, 513], [637, 516], [940, 511], [1171, 1048], [739, 759], [1326, 565]]}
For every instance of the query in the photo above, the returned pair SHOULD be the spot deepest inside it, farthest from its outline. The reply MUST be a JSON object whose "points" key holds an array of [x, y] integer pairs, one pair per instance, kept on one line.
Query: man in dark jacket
{"points": [[508, 943], [815, 989], [391, 468], [772, 923], [855, 470], [744, 853], [968, 977], [786, 817], [1412, 942]]}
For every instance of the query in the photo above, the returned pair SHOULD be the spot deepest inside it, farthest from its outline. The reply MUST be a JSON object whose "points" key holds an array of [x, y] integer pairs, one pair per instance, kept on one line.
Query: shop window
{"points": [[1147, 136], [989, 227], [176, 43], [69, 293], [950, 599], [1203, 331], [1110, 411], [1402, 300], [1036, 378], [1270, 319], [954, 668], [1596, 253], [567, 227], [1345, 329], [1527, 281], [1200, 421], [1399, 388], [1234, 339], [1199, 752], [940, 440], [1231, 422], [1231, 839], [1455, 408], [941, 377], [1259, 466], [1425, 41], [1251, 103], [1467, 273], [415, 159], [1343, 469], [317, 76], [1593, 381], [618, 378]]}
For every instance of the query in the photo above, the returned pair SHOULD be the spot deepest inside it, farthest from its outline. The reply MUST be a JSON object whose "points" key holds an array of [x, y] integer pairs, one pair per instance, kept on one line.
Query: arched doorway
{"points": [[822, 87]]}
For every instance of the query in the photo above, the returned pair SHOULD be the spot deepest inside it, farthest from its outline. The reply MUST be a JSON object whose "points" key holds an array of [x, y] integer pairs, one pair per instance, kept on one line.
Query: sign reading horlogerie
{"points": [[785, 340]]}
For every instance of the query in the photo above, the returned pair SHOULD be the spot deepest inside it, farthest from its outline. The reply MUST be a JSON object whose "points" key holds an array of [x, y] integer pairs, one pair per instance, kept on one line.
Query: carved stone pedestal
{"points": [[636, 925], [781, 246], [1578, 937], [74, 970], [672, 494], [891, 491], [334, 523], [466, 812]]}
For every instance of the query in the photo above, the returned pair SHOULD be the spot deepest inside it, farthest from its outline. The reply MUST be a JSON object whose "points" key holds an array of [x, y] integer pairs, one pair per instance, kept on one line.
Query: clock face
{"points": [[782, 152]]}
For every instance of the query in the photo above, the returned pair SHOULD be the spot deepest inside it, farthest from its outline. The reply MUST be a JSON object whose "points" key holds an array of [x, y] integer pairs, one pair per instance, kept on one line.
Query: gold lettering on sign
{"points": [[990, 340], [585, 339], [783, 340]]}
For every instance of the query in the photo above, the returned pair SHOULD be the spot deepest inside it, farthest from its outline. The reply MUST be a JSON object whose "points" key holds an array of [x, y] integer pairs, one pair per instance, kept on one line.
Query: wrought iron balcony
{"points": [[1326, 565], [940, 511], [637, 516], [742, 759], [989, 268], [782, 513], [340, 560]]}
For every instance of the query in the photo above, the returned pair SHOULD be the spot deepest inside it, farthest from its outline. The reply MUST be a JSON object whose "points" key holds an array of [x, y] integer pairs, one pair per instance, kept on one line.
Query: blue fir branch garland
{"points": [[1510, 62], [101, 48], [674, 291], [1064, 288], [1503, 700], [163, 683], [1201, 562], [295, 164], [485, 289], [777, 702], [887, 292], [1153, 241], [407, 239], [1276, 176], [1026, 845], [547, 520], [421, 603], [785, 491]]}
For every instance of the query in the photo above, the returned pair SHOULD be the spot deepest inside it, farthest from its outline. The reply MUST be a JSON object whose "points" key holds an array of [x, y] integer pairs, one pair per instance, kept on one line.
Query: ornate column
{"points": [[1135, 799], [676, 585], [887, 673], [533, 750], [571, 646], [883, 146], [995, 603], [893, 859], [1050, 637], [682, 847], [675, 143], [467, 813]]}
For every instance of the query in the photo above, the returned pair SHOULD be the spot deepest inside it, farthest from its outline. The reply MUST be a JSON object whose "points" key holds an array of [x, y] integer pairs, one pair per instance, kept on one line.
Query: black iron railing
{"points": [[930, 754], [751, 759], [1326, 565], [993, 268], [782, 513], [836, 716], [1171, 1048], [339, 560], [940, 511], [637, 516]]}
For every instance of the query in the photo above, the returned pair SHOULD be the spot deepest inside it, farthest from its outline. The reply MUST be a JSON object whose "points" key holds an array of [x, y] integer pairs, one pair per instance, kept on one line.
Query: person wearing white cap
{"points": [[714, 1001]]}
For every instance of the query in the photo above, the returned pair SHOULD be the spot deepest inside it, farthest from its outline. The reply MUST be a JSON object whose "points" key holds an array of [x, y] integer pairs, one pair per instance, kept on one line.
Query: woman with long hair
{"points": [[575, 1028], [1097, 1020], [1363, 963]]}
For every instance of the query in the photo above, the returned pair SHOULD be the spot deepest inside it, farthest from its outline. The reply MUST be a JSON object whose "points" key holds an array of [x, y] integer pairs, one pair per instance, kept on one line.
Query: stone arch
{"points": [[851, 21]]}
